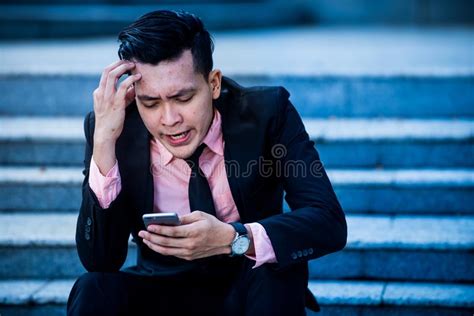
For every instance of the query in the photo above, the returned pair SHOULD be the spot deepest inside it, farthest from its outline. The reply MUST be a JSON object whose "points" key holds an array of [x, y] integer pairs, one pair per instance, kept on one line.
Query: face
{"points": [[175, 102]]}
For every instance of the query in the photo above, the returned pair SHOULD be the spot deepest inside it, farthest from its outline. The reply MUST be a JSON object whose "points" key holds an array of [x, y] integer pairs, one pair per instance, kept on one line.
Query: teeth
{"points": [[178, 136]]}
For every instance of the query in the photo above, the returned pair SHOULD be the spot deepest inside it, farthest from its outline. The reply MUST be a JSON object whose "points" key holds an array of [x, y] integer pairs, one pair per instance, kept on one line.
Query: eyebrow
{"points": [[178, 94]]}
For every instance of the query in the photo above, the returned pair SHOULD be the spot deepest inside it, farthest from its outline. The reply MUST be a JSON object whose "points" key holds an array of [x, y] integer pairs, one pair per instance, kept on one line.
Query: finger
{"points": [[170, 242], [130, 95], [114, 76], [105, 73], [126, 84], [158, 239], [171, 231], [167, 251], [154, 247], [184, 253]]}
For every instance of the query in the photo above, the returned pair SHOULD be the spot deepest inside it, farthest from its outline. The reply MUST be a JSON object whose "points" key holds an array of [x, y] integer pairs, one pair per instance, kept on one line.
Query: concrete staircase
{"points": [[397, 139], [86, 18], [66, 19]]}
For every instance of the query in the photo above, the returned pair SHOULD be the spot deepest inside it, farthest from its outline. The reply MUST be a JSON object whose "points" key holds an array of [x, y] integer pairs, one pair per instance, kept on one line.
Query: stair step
{"points": [[402, 248], [349, 297], [390, 143], [430, 73], [439, 248], [323, 130], [366, 231], [392, 96], [390, 191], [442, 52], [405, 191], [392, 293], [392, 298]]}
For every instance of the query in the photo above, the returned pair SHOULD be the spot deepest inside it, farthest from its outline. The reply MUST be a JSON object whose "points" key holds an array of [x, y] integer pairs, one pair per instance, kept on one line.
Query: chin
{"points": [[182, 153]]}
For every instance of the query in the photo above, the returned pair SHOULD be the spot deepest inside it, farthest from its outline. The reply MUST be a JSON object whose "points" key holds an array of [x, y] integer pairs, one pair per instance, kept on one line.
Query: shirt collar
{"points": [[213, 138]]}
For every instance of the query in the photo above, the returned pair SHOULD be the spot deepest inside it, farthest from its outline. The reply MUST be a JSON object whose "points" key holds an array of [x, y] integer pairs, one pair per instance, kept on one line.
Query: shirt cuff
{"points": [[264, 252], [106, 188]]}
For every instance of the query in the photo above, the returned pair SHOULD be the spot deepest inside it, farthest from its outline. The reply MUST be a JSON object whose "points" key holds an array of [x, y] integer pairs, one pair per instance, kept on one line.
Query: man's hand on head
{"points": [[110, 102], [200, 235]]}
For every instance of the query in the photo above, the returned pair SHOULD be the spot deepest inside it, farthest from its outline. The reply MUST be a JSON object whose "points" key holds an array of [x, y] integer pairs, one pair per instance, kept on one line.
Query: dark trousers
{"points": [[246, 291]]}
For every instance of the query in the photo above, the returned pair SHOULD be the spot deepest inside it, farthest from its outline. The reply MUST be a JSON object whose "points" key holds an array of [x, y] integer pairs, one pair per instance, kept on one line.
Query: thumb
{"points": [[192, 217]]}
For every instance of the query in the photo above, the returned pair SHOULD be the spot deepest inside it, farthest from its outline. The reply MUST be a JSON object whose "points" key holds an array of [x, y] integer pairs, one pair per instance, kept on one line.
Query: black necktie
{"points": [[200, 196]]}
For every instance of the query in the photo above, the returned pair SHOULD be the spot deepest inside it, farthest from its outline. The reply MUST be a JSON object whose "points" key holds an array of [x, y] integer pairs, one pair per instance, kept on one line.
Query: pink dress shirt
{"points": [[171, 180]]}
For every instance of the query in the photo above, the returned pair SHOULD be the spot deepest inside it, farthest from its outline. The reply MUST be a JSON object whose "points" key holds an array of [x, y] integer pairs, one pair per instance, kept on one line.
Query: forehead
{"points": [[168, 76]]}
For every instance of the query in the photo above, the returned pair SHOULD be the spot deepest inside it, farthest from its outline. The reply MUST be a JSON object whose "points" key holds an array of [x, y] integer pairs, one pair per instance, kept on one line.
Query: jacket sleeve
{"points": [[316, 226], [101, 234]]}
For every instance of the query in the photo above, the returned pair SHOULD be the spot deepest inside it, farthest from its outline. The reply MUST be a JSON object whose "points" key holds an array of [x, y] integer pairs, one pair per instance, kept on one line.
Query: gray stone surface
{"points": [[327, 51], [40, 175], [400, 264], [406, 199], [56, 197], [42, 153], [411, 232], [389, 310], [55, 292], [71, 129], [39, 262], [401, 177], [364, 197], [48, 261], [92, 18], [37, 229], [61, 261], [372, 142], [332, 295], [347, 293], [41, 129], [329, 71], [34, 310], [388, 129], [364, 154], [365, 231], [339, 177], [391, 293], [450, 295], [313, 96], [397, 154], [15, 292]]}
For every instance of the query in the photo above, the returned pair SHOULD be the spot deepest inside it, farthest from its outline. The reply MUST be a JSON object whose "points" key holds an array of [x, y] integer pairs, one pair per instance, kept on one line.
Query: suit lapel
{"points": [[134, 151], [234, 133]]}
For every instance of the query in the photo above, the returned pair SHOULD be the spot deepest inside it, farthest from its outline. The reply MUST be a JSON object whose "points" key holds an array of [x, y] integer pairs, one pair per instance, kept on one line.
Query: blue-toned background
{"points": [[386, 91]]}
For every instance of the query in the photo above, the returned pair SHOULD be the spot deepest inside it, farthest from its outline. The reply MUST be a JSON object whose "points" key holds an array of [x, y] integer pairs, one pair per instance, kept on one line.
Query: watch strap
{"points": [[239, 228]]}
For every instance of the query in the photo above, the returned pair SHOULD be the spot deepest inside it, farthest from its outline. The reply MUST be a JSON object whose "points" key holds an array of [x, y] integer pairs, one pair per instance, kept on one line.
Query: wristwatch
{"points": [[241, 242]]}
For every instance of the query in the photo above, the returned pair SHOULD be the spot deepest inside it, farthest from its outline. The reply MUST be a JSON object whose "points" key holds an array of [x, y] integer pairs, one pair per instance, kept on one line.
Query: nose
{"points": [[170, 116]]}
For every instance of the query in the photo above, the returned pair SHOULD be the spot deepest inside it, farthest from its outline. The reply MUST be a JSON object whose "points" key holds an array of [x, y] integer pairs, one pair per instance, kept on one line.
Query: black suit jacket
{"points": [[267, 153]]}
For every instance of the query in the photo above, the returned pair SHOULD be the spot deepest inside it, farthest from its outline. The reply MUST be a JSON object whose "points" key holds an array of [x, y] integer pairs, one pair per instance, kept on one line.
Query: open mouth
{"points": [[179, 138]]}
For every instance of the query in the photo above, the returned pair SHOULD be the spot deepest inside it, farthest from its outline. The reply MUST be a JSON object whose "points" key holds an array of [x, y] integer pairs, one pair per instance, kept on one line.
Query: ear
{"points": [[214, 80]]}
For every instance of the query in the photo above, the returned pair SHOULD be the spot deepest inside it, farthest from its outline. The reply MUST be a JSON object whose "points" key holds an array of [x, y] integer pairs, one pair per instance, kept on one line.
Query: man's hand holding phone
{"points": [[199, 235], [110, 102]]}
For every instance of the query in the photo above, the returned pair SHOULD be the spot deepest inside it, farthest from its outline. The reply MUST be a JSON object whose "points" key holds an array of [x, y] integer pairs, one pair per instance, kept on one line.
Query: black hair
{"points": [[165, 35]]}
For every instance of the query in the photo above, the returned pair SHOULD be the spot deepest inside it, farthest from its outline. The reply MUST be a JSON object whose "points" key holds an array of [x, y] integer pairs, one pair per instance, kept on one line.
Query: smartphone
{"points": [[171, 219]]}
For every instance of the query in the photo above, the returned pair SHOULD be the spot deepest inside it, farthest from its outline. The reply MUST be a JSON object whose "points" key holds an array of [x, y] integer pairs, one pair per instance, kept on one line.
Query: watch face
{"points": [[241, 245]]}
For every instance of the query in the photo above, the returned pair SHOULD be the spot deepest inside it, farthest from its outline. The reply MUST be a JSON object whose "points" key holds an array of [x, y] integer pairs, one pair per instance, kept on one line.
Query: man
{"points": [[177, 136]]}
